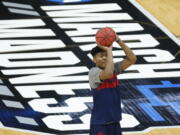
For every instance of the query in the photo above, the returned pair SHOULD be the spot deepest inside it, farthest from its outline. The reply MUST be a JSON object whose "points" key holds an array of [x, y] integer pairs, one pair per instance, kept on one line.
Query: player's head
{"points": [[99, 57]]}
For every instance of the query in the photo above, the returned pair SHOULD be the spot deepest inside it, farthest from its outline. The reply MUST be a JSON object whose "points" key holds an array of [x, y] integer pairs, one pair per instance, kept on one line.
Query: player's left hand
{"points": [[118, 39]]}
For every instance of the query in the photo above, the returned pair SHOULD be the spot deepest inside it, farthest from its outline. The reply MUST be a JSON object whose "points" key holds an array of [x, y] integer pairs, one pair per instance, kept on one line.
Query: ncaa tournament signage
{"points": [[45, 59]]}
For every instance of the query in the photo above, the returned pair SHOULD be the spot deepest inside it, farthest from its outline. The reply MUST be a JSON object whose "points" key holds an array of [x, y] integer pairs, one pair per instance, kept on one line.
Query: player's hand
{"points": [[105, 48], [118, 40]]}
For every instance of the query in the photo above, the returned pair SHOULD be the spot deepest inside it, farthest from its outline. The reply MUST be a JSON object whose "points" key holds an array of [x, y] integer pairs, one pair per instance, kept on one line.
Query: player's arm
{"points": [[109, 68], [130, 56]]}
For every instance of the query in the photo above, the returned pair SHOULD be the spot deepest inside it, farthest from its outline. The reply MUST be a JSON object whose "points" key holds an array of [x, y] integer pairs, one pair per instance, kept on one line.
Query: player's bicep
{"points": [[104, 75], [125, 64]]}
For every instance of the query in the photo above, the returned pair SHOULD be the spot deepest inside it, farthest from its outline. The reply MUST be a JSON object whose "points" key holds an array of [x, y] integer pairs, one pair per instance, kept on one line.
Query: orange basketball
{"points": [[105, 36]]}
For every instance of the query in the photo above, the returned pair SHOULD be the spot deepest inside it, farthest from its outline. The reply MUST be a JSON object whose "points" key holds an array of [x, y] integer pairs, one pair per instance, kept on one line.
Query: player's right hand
{"points": [[105, 48]]}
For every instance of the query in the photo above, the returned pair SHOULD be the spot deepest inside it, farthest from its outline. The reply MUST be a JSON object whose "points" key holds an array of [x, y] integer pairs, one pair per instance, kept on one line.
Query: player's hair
{"points": [[96, 50]]}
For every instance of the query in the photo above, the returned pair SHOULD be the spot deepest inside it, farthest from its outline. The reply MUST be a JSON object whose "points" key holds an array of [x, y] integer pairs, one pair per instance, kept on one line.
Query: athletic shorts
{"points": [[108, 129]]}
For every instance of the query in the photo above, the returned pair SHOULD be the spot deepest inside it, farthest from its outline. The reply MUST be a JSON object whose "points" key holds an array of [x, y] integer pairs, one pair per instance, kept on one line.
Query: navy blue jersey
{"points": [[106, 99]]}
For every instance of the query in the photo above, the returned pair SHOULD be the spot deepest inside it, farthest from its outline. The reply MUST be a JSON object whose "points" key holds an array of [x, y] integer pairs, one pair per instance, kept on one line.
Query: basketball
{"points": [[105, 36]]}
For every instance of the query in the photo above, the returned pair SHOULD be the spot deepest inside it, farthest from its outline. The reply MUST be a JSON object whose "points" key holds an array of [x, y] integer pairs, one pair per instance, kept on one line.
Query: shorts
{"points": [[108, 129]]}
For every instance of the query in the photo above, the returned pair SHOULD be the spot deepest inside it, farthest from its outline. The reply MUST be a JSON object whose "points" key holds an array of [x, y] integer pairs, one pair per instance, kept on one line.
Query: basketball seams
{"points": [[105, 36], [99, 40]]}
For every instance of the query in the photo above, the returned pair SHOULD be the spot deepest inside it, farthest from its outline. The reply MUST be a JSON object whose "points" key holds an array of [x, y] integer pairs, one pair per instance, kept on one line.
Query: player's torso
{"points": [[106, 99]]}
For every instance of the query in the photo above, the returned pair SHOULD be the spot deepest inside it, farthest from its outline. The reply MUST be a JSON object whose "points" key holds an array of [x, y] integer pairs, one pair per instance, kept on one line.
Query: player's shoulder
{"points": [[94, 70]]}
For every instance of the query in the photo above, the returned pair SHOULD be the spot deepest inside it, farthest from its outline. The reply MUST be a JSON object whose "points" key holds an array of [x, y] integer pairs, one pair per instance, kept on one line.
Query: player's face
{"points": [[100, 59]]}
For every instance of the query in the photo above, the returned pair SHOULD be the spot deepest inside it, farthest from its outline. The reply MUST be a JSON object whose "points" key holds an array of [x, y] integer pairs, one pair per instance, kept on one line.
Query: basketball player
{"points": [[106, 112]]}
